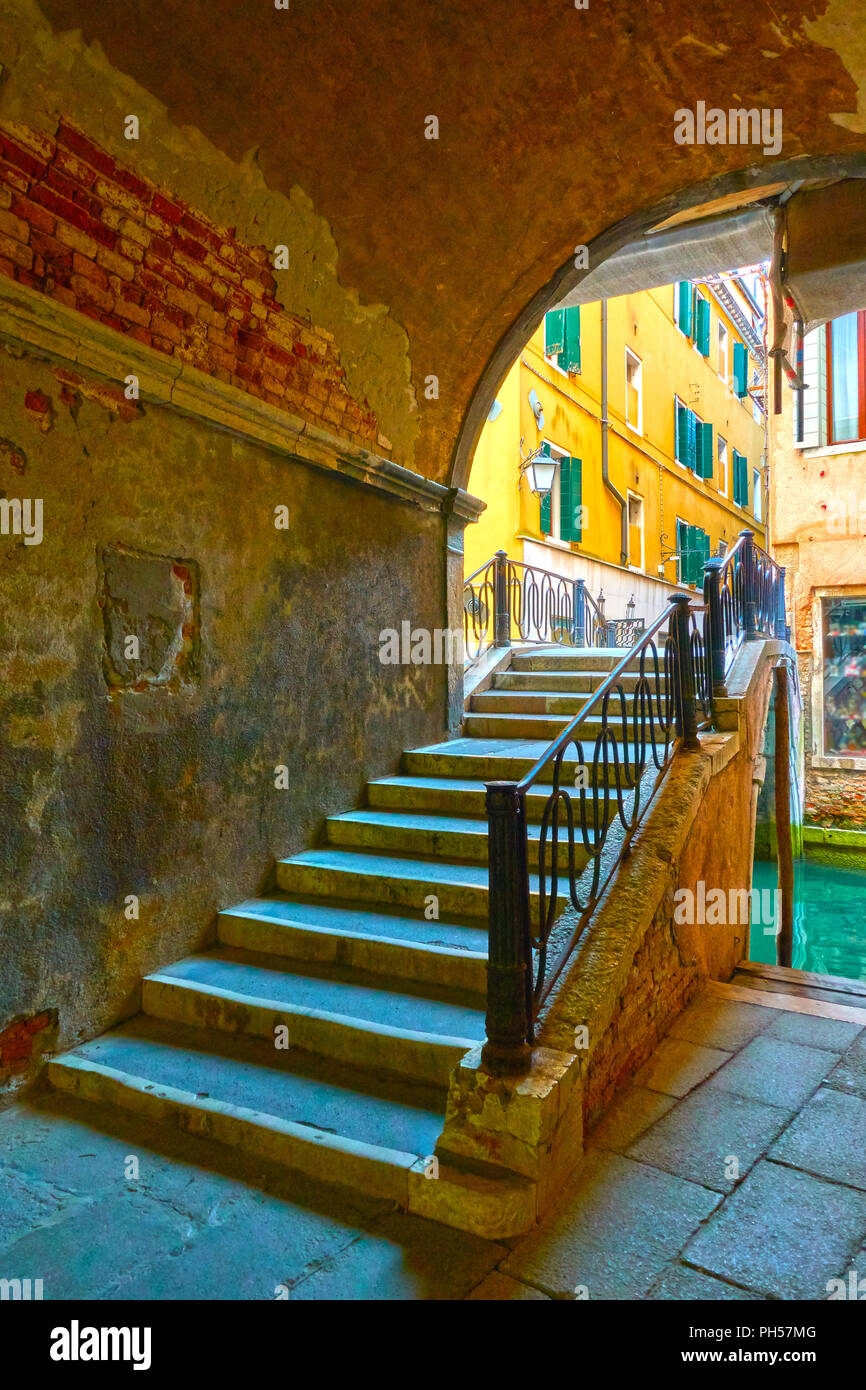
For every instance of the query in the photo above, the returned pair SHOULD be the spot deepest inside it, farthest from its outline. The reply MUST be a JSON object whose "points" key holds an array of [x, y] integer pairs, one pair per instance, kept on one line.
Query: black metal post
{"points": [[578, 635], [502, 616], [509, 956], [750, 586], [715, 626], [686, 709], [781, 615]]}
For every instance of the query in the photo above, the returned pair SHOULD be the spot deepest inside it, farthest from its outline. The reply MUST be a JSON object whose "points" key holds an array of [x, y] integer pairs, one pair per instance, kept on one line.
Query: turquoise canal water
{"points": [[829, 919]]}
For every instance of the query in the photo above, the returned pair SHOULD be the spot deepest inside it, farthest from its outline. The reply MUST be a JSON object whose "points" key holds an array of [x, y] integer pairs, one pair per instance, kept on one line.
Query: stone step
{"points": [[379, 942], [397, 880], [492, 759], [569, 703], [333, 1122], [452, 838], [572, 659], [578, 682], [461, 796], [365, 1020], [549, 726]]}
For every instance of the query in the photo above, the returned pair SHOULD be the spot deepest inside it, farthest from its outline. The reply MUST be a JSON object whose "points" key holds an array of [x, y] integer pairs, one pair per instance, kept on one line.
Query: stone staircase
{"points": [[368, 959]]}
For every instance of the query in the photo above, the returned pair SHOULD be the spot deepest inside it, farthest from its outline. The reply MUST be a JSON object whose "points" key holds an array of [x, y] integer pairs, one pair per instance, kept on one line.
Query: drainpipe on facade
{"points": [[605, 427]]}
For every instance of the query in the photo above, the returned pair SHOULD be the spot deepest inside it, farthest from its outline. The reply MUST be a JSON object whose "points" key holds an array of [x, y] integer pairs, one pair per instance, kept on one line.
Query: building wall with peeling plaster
{"points": [[154, 524]]}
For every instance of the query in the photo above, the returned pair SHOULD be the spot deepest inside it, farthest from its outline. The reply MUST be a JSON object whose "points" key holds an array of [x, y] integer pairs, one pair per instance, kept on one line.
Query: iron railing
{"points": [[744, 595], [504, 597], [597, 774]]}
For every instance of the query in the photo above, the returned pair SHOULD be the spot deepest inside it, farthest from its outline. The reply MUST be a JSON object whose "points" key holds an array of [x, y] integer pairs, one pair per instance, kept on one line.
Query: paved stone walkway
{"points": [[734, 1167]]}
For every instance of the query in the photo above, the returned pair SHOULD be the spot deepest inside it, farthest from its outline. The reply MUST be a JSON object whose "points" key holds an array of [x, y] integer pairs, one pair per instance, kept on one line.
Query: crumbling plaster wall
{"points": [[168, 792]]}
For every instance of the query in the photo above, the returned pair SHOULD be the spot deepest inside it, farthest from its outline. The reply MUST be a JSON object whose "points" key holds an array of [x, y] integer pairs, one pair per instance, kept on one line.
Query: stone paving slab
{"points": [[404, 1257], [778, 1073], [829, 1033], [700, 1136], [783, 1233], [620, 1226], [676, 1066], [714, 1022], [681, 1282], [828, 1138], [850, 1073], [501, 1288], [631, 1113]]}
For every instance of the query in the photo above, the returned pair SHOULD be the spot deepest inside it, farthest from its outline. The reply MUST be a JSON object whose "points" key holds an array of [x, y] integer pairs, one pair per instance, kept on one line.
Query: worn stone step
{"points": [[451, 953], [460, 838], [397, 880], [567, 705], [494, 759], [462, 796], [367, 1020], [549, 726], [333, 1122], [576, 682], [564, 659]]}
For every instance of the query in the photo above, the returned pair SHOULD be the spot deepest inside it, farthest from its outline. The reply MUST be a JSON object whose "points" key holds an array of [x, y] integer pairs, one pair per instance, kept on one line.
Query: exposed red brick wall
{"points": [[90, 233], [659, 987], [18, 1038]]}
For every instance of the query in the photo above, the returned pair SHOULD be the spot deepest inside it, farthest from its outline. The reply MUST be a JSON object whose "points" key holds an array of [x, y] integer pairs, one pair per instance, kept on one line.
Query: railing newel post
{"points": [[715, 627], [750, 586], [502, 615], [686, 709], [507, 1050], [579, 613], [781, 614]]}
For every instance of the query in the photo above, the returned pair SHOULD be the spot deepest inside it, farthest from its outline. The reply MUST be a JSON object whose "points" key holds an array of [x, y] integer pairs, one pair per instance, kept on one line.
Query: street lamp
{"points": [[539, 469]]}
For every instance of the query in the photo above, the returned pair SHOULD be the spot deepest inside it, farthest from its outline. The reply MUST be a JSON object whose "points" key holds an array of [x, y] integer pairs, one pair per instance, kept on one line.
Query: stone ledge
{"points": [[49, 329]]}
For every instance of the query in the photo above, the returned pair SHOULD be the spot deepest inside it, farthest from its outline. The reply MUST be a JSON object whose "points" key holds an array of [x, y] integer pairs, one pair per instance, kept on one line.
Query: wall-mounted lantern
{"points": [[540, 470]]}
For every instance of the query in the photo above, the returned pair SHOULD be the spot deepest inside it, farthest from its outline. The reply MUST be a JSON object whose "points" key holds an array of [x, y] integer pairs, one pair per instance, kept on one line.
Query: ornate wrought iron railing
{"points": [[597, 771], [744, 595], [509, 598]]}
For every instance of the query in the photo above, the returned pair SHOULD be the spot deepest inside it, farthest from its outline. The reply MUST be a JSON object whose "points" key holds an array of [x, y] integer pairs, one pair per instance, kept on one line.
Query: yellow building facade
{"points": [[685, 448]]}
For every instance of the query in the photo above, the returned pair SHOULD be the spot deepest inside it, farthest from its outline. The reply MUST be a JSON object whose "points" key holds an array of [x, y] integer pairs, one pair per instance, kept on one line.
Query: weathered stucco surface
{"points": [[167, 791], [554, 124]]}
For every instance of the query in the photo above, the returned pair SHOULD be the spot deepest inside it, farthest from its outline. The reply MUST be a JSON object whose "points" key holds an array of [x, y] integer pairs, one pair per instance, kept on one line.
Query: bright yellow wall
{"points": [[644, 463]]}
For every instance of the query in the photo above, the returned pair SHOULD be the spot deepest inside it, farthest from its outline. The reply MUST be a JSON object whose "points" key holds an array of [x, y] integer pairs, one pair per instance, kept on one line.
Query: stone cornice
{"points": [[51, 330]]}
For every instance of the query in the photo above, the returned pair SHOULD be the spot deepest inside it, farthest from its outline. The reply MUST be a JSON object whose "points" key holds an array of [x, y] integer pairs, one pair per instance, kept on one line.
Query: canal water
{"points": [[829, 919]]}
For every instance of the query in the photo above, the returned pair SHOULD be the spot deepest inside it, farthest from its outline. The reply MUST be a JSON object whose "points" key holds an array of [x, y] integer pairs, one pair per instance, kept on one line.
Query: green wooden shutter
{"points": [[741, 479], [741, 369], [682, 440], [692, 458], [685, 307], [683, 549], [571, 335], [554, 332], [545, 513], [705, 450], [569, 499], [702, 326]]}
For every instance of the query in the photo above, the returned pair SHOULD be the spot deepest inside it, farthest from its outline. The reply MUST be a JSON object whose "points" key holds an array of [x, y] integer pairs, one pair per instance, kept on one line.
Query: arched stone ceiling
{"points": [[554, 124]]}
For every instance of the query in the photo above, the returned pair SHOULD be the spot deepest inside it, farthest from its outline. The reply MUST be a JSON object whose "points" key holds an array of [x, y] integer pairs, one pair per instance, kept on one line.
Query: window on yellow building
{"points": [[635, 532], [633, 391], [562, 338], [723, 466], [693, 442], [561, 510], [723, 352], [757, 496]]}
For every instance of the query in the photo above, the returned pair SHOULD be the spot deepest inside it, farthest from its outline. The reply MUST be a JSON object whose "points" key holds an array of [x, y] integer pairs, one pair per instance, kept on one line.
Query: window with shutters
{"points": [[633, 391], [693, 444], [741, 479], [561, 510], [562, 339], [846, 379], [693, 547], [683, 307], [701, 321], [635, 532], [741, 370]]}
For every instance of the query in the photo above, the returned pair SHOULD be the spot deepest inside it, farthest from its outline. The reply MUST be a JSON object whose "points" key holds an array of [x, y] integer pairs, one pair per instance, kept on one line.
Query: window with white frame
{"points": [[723, 352], [757, 496], [633, 391], [722, 452]]}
